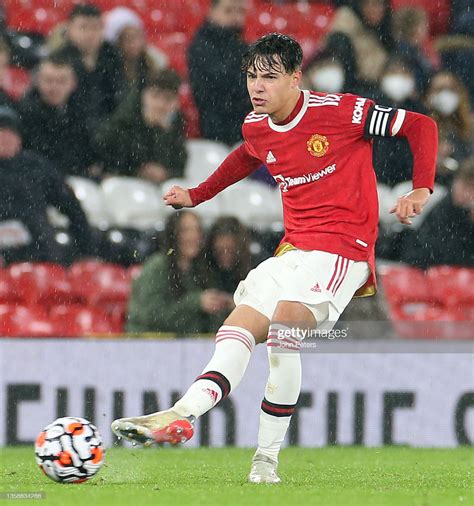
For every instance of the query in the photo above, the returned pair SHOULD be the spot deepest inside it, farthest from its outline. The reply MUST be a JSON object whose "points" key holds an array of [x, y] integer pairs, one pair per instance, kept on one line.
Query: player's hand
{"points": [[177, 197], [410, 204]]}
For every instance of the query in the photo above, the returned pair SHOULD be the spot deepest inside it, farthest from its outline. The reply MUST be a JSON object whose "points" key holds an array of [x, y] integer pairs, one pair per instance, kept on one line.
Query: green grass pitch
{"points": [[342, 476]]}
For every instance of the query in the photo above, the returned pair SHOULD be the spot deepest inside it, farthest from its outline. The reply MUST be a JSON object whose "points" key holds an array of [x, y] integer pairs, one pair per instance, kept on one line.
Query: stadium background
{"points": [[64, 346]]}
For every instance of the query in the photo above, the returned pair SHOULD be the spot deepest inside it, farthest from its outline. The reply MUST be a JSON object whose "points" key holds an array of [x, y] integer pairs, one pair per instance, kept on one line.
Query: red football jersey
{"points": [[323, 164], [322, 160]]}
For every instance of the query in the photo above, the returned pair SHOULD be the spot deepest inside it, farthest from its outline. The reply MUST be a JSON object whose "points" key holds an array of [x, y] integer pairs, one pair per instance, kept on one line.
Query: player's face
{"points": [[272, 89]]}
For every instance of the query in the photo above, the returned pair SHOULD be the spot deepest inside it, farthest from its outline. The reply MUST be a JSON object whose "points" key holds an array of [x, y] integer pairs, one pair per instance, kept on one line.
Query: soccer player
{"points": [[318, 147]]}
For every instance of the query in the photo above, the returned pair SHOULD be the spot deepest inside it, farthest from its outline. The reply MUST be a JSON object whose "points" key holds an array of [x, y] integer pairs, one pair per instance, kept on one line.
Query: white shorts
{"points": [[323, 282]]}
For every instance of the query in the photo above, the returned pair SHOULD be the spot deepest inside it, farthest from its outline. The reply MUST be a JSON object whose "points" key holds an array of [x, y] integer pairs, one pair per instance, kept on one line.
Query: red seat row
{"points": [[59, 321], [437, 303], [89, 283]]}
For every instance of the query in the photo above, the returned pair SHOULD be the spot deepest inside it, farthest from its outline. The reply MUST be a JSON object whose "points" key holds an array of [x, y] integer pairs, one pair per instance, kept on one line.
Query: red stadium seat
{"points": [[77, 321], [404, 285], [175, 46], [42, 284], [8, 294], [16, 82], [100, 283], [451, 286], [23, 321]]}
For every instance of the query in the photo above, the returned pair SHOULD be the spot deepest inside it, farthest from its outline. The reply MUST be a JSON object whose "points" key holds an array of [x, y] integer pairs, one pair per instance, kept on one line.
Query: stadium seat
{"points": [[16, 82], [77, 321], [255, 204], [133, 202], [42, 284], [92, 201], [100, 283], [204, 156], [175, 46], [27, 321], [8, 294], [451, 286], [386, 201], [404, 285]]}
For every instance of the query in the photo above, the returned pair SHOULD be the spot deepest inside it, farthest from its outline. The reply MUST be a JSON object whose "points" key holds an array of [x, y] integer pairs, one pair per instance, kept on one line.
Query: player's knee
{"points": [[292, 313]]}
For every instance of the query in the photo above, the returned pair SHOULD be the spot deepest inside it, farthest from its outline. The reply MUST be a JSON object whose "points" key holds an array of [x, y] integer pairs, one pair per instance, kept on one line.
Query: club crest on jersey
{"points": [[318, 145]]}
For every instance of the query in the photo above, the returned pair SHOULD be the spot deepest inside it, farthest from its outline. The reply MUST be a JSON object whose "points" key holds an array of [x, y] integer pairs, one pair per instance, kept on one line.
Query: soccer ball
{"points": [[69, 450]]}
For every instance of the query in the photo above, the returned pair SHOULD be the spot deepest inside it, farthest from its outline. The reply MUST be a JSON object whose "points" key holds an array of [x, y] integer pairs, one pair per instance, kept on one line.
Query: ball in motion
{"points": [[69, 450]]}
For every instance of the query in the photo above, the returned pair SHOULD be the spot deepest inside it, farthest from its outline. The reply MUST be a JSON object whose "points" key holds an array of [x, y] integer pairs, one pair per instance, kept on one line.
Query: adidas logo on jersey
{"points": [[270, 158]]}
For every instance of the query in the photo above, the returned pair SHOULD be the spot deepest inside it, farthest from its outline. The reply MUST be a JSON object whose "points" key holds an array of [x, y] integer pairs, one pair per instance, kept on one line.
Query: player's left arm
{"points": [[421, 133]]}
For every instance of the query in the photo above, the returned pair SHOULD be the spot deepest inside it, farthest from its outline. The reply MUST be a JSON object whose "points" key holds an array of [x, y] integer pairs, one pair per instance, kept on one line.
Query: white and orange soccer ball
{"points": [[70, 450]]}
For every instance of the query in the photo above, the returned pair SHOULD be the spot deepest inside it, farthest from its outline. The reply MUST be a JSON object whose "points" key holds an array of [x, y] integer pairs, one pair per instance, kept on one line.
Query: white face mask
{"points": [[329, 79], [398, 86], [445, 102]]}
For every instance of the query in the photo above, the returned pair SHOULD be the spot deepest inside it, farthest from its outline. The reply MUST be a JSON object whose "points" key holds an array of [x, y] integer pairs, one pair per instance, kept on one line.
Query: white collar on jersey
{"points": [[295, 120]]}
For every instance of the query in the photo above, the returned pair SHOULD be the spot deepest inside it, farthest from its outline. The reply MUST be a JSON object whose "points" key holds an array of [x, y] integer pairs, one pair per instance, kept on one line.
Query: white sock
{"points": [[282, 390], [234, 346]]}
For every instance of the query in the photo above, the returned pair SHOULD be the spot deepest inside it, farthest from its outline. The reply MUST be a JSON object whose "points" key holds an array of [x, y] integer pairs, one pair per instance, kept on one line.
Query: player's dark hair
{"points": [[87, 10], [271, 52]]}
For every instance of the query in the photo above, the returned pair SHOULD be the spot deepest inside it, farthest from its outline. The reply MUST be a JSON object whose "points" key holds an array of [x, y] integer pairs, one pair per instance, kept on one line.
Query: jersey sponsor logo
{"points": [[318, 145], [358, 110], [270, 158], [287, 182]]}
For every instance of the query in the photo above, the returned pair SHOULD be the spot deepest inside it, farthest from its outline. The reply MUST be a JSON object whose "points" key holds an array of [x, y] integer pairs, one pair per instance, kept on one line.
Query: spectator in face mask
{"points": [[326, 74], [448, 103], [398, 84]]}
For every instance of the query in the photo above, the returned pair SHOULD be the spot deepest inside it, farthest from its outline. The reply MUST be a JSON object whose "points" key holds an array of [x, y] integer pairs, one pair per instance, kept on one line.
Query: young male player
{"points": [[318, 147]]}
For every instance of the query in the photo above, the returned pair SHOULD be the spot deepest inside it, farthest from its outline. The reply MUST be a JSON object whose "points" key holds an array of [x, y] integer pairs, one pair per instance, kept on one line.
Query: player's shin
{"points": [[221, 375], [282, 391]]}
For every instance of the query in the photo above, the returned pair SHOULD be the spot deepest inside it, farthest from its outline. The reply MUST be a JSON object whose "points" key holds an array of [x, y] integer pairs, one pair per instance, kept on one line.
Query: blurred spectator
{"points": [[29, 184], [228, 254], [5, 99], [411, 29], [98, 64], [448, 103], [325, 73], [124, 29], [169, 294], [393, 161], [217, 83], [368, 25], [53, 121], [144, 137], [457, 49], [446, 235], [446, 163]]}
